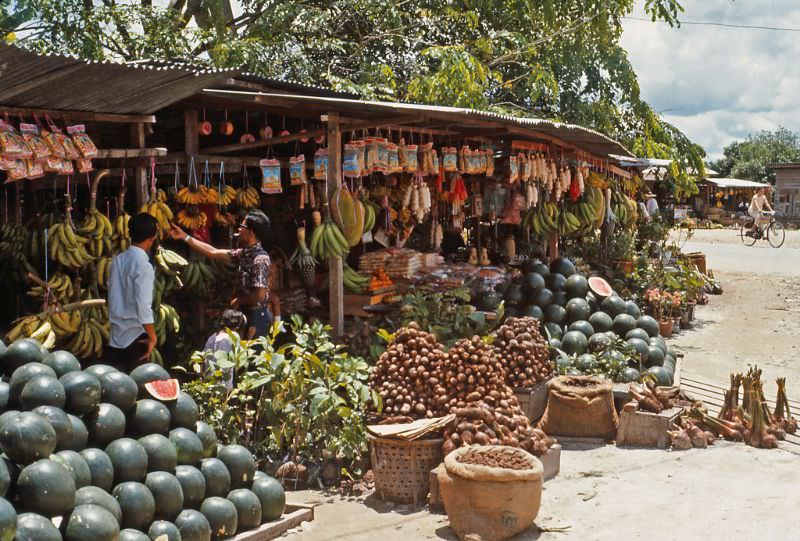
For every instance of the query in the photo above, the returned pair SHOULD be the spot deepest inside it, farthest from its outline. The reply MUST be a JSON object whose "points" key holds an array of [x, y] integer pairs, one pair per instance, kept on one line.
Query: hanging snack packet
{"points": [[410, 158], [84, 165], [17, 172], [66, 168], [513, 170], [489, 153], [382, 161], [34, 169], [450, 159], [321, 164], [10, 144], [270, 176], [30, 134], [297, 170], [350, 163], [82, 141], [394, 158]]}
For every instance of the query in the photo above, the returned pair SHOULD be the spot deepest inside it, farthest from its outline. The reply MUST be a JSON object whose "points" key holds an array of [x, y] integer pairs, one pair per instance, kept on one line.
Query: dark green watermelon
{"points": [[532, 311], [599, 342], [193, 526], [578, 309], [556, 282], [564, 363], [129, 459], [562, 265], [149, 417], [248, 508], [583, 326], [129, 534], [167, 493], [623, 324], [641, 348], [23, 375], [99, 370], [76, 466], [8, 520], [555, 314], [592, 300], [659, 342], [661, 376], [101, 468], [188, 446], [46, 487], [542, 298], [97, 496], [222, 517], [60, 423], [655, 357], [528, 265], [137, 505], [272, 496], [486, 301], [574, 343], [80, 434], [119, 389], [62, 362], [601, 322], [554, 343], [541, 268], [20, 352], [5, 477], [613, 305], [577, 286], [511, 311], [630, 375], [91, 523], [649, 324], [560, 298], [184, 411], [260, 475], [5, 395], [33, 527], [632, 309], [533, 282], [193, 484], [42, 390], [218, 478], [514, 295], [161, 454], [105, 424], [164, 531], [145, 373], [638, 333], [8, 415], [240, 463], [27, 437], [585, 362], [554, 330], [83, 392]]}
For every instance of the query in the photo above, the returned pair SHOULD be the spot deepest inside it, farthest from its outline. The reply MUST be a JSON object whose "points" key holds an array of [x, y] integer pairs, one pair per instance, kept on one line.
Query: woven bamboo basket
{"points": [[402, 468]]}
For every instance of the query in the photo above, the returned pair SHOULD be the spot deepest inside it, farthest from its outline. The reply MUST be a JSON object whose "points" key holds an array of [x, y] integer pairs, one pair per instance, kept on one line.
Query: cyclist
{"points": [[757, 204]]}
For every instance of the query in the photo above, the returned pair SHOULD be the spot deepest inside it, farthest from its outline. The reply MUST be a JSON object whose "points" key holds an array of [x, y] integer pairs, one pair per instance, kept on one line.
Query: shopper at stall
{"points": [[130, 297], [252, 293], [652, 205], [232, 321], [452, 243]]}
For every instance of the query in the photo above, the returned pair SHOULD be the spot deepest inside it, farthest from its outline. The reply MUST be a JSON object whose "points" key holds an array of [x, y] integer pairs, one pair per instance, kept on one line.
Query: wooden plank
{"points": [[713, 387], [239, 147], [293, 516], [335, 266], [618, 171], [191, 135], [26, 84], [80, 116], [125, 153], [138, 140]]}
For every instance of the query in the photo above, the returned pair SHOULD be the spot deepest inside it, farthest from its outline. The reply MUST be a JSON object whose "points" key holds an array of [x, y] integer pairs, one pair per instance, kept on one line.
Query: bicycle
{"points": [[773, 232]]}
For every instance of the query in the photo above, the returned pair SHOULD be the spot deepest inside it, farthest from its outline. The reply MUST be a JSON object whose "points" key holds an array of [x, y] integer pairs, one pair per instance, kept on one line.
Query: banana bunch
{"points": [[370, 215], [159, 210], [543, 218], [169, 262], [192, 218], [166, 318], [248, 198], [103, 270], [567, 223], [35, 248], [60, 286], [327, 240], [197, 195], [12, 252], [589, 209], [226, 195], [120, 237], [353, 281], [98, 229], [224, 219], [624, 208], [67, 247], [33, 327], [93, 332], [65, 324], [198, 277]]}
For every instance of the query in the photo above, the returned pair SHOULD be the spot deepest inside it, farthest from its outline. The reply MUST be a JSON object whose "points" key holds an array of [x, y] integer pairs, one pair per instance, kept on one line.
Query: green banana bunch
{"points": [[166, 319], [327, 240], [198, 277], [353, 280]]}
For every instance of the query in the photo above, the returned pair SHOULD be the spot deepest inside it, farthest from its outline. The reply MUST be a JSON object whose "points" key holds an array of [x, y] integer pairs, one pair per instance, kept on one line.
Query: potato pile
{"points": [[495, 457], [407, 374], [523, 352]]}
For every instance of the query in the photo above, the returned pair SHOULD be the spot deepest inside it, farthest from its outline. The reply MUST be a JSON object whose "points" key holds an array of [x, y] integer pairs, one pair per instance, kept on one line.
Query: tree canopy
{"points": [[558, 59], [748, 159]]}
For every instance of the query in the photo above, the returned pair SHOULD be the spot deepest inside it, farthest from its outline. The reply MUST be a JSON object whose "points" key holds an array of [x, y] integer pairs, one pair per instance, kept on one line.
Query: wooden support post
{"points": [[335, 266], [141, 189], [190, 132], [552, 246]]}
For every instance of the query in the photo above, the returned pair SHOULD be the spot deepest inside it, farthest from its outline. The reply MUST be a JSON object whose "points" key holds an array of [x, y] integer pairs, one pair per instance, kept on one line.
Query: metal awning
{"points": [[736, 183], [584, 138], [627, 161]]}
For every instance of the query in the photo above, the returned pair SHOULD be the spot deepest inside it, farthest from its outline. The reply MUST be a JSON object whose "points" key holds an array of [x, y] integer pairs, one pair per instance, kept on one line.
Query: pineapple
{"points": [[303, 260]]}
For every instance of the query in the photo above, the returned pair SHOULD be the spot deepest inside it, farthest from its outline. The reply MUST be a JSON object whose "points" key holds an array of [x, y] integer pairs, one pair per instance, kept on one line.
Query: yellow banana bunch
{"points": [[121, 237], [197, 195], [98, 229], [33, 327], [248, 198], [226, 195], [103, 270], [327, 240], [65, 324], [67, 247], [169, 262], [162, 213], [192, 218], [225, 219], [60, 286], [92, 335], [166, 319]]}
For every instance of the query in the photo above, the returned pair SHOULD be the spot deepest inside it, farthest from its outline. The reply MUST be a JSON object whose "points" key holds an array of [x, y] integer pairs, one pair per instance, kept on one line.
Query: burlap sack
{"points": [[580, 406], [490, 504]]}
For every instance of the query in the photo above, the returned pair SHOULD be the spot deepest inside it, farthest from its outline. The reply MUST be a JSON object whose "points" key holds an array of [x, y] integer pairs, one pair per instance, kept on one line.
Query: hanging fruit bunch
{"points": [[120, 238], [192, 218], [247, 197], [157, 208], [303, 260], [66, 246]]}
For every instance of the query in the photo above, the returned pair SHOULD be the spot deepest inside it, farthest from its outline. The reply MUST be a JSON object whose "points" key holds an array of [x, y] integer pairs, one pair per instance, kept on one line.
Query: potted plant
{"points": [[662, 304], [622, 250]]}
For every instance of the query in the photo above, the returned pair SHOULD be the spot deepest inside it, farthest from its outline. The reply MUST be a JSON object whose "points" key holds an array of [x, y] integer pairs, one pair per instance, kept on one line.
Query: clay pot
{"points": [[665, 327]]}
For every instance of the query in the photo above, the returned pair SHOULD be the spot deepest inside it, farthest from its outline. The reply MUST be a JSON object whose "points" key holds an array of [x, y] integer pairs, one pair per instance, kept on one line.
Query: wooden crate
{"points": [[645, 429], [293, 516], [533, 401]]}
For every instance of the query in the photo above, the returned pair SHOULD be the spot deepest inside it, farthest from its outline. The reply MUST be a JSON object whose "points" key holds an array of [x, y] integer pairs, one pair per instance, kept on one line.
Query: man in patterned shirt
{"points": [[252, 295]]}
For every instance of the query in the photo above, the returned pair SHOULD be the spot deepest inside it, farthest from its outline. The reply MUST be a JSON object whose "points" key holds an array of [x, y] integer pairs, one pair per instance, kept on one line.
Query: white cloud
{"points": [[720, 84]]}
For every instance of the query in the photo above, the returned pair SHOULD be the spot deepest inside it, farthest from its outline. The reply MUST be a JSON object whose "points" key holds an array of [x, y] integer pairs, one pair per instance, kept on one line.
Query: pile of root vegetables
{"points": [[418, 379], [654, 399], [748, 420], [523, 351]]}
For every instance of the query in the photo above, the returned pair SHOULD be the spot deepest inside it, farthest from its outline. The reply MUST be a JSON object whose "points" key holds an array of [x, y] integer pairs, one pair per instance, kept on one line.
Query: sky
{"points": [[720, 84]]}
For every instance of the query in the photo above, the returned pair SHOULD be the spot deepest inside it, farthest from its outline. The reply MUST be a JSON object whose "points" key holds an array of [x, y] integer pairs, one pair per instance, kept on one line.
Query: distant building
{"points": [[787, 188]]}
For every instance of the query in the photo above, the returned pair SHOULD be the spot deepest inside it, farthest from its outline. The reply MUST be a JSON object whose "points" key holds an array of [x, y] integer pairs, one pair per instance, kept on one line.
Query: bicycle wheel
{"points": [[746, 233], [776, 234]]}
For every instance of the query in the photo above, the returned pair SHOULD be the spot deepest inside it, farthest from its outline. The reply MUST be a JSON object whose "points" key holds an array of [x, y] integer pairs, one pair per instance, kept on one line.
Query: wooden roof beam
{"points": [[79, 116]]}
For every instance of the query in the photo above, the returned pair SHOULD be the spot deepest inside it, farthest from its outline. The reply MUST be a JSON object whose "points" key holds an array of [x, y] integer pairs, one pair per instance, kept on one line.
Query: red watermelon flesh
{"points": [[164, 390], [600, 287]]}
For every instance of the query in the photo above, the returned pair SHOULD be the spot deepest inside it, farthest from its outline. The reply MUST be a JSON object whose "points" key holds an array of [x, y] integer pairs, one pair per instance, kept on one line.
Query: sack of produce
{"points": [[580, 406], [492, 492]]}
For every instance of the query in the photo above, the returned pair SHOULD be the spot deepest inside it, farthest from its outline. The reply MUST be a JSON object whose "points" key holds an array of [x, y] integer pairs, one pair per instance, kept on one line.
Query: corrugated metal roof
{"points": [[736, 183], [294, 86], [584, 138], [626, 161], [65, 83]]}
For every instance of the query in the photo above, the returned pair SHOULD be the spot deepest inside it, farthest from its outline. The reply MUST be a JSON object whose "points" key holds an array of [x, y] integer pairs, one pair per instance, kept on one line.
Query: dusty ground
{"points": [[728, 491]]}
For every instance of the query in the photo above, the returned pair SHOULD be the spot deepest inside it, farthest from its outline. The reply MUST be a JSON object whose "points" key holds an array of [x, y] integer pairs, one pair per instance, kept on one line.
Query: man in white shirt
{"points": [[130, 297], [652, 205], [756, 207]]}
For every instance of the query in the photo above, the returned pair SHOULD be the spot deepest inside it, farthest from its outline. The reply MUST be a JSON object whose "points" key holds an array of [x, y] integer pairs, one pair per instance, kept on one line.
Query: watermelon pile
{"points": [[584, 318], [110, 456]]}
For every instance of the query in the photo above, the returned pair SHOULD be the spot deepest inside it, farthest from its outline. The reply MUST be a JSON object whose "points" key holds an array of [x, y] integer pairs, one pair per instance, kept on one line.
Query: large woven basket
{"points": [[402, 468]]}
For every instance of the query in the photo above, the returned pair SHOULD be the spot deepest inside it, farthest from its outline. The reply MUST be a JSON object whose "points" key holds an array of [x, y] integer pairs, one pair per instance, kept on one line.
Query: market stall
{"points": [[724, 198]]}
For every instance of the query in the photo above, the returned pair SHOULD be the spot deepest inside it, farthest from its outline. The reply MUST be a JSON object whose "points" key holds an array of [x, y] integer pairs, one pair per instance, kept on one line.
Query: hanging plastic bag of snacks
{"points": [[435, 162], [427, 163], [394, 158], [67, 168], [82, 141], [370, 154], [462, 159], [350, 162], [30, 134], [410, 158], [473, 161], [361, 147], [481, 155], [34, 168], [297, 170], [54, 144], [10, 145], [53, 164], [6, 163], [270, 176], [84, 165], [489, 153], [450, 159], [18, 171], [321, 164], [382, 162], [513, 170]]}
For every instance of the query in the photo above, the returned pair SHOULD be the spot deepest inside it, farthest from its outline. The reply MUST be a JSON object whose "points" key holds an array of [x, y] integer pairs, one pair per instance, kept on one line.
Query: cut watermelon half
{"points": [[600, 287], [164, 390]]}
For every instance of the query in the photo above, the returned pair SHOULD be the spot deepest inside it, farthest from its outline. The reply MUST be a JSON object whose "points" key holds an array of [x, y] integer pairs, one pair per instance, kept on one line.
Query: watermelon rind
{"points": [[28, 438], [23, 375], [165, 389], [76, 465], [184, 411], [207, 437], [163, 530], [129, 534], [222, 517], [188, 446], [272, 495], [35, 527], [129, 459], [161, 453], [83, 392], [105, 424], [218, 478], [149, 417], [62, 362], [80, 434], [8, 520], [60, 423], [119, 389]]}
